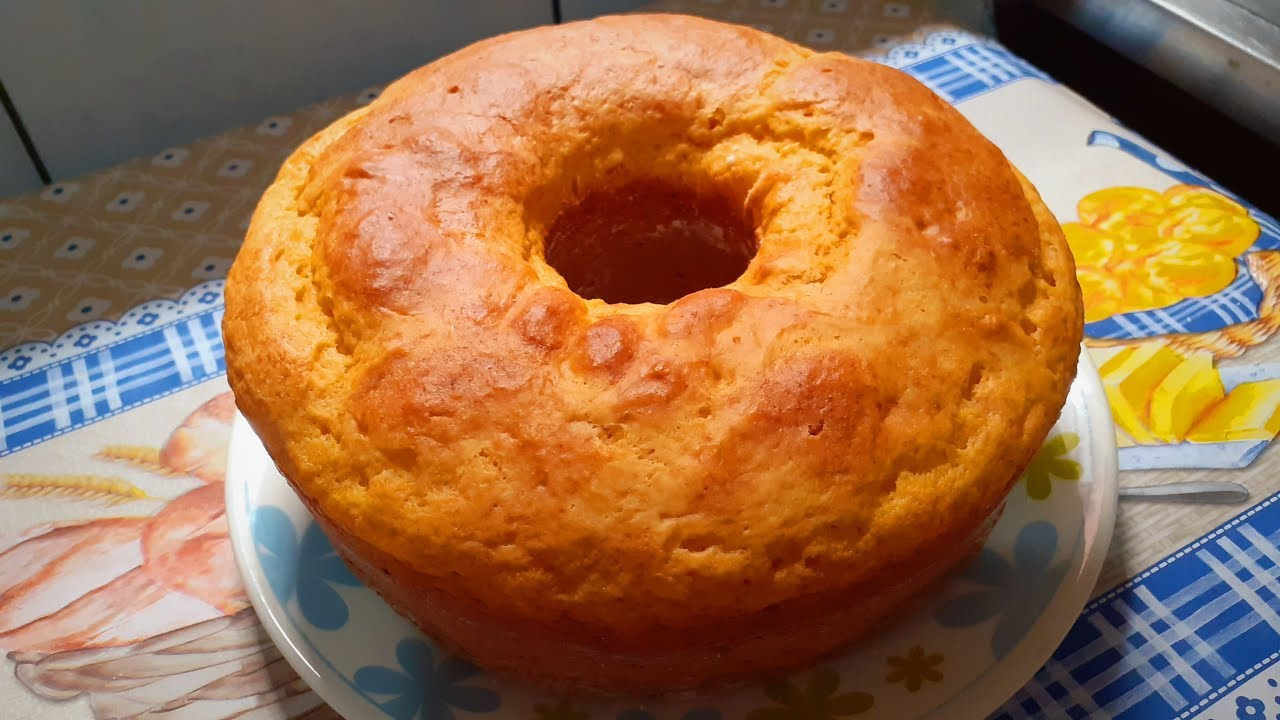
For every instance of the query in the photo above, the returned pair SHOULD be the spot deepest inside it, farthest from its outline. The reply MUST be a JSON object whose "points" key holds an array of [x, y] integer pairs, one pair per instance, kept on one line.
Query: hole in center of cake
{"points": [[649, 241]]}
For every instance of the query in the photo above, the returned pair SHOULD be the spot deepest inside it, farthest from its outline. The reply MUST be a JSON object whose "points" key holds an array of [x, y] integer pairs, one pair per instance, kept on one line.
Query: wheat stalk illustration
{"points": [[93, 488], [139, 456]]}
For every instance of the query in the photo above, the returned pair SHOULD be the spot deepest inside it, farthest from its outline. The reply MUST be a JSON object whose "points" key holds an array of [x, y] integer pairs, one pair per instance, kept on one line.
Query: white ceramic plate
{"points": [[959, 655]]}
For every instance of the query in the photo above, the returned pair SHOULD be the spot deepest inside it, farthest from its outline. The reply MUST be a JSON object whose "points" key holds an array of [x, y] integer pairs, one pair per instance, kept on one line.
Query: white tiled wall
{"points": [[582, 9], [17, 174], [99, 83]]}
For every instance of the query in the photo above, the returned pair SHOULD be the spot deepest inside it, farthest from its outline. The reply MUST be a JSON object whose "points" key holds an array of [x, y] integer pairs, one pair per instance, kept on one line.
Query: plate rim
{"points": [[336, 695], [989, 691]]}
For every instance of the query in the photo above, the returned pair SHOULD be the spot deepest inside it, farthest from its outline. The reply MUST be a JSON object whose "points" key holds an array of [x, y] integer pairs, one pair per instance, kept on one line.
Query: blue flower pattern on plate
{"points": [[1018, 593], [422, 690], [276, 547], [310, 569]]}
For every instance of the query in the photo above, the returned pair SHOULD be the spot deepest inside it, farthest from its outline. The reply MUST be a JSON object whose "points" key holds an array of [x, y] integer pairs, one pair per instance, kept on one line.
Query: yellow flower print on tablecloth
{"points": [[1139, 249]]}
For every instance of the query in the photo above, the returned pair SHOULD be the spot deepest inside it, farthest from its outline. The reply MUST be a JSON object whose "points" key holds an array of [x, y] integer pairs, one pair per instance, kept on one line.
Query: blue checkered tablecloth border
{"points": [[959, 66], [1175, 638], [104, 381]]}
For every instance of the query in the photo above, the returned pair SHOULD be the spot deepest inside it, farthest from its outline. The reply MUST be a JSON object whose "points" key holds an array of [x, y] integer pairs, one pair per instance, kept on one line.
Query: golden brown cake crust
{"points": [[651, 482]]}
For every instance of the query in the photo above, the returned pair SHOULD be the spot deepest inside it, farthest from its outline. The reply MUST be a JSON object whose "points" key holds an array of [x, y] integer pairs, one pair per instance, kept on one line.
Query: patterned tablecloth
{"points": [[118, 593]]}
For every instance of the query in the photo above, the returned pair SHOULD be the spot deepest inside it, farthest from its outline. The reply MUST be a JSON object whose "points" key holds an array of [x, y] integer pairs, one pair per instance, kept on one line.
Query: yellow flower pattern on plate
{"points": [[1139, 249], [915, 668], [1051, 461], [561, 710], [815, 700]]}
